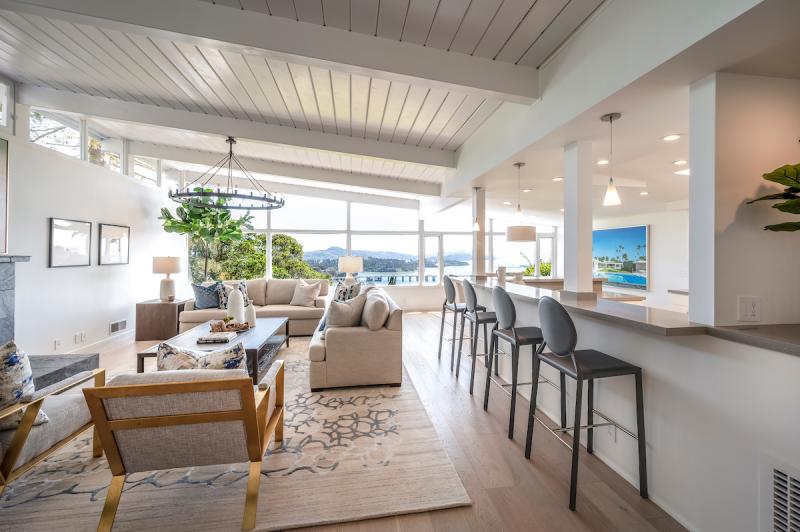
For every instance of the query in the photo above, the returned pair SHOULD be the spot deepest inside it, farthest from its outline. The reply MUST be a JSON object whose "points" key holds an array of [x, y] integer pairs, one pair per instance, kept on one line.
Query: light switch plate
{"points": [[749, 308]]}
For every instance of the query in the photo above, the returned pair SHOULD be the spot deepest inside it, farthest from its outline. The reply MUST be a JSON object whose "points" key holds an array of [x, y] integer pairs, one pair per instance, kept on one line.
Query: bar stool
{"points": [[506, 329], [582, 365], [457, 308], [476, 317]]}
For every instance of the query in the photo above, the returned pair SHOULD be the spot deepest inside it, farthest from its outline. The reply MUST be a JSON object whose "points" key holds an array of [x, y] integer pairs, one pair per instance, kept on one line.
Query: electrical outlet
{"points": [[749, 308], [77, 338], [56, 344], [83, 336]]}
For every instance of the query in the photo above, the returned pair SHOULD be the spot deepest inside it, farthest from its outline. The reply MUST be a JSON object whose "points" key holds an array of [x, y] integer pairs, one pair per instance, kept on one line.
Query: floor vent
{"points": [[117, 326], [785, 502]]}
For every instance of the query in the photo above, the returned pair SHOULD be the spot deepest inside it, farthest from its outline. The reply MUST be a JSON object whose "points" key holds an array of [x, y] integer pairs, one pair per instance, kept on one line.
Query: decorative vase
{"points": [[501, 274], [236, 306], [250, 314]]}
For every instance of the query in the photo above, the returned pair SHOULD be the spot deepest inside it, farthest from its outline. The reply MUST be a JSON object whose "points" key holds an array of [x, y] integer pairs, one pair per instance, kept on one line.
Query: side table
{"points": [[158, 320]]}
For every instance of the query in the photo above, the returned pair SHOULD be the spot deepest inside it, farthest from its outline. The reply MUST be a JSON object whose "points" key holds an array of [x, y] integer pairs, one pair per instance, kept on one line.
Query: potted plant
{"points": [[789, 200]]}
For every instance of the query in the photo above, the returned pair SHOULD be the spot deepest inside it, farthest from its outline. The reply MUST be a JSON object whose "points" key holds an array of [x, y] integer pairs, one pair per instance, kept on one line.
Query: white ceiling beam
{"points": [[219, 125], [202, 23], [260, 166]]}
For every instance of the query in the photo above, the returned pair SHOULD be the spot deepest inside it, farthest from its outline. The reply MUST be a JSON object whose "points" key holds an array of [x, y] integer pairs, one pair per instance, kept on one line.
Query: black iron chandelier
{"points": [[199, 194]]}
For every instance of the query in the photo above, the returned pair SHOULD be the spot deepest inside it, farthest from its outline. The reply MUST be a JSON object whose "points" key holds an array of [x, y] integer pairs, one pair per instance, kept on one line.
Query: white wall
{"points": [[55, 303], [749, 127], [669, 254]]}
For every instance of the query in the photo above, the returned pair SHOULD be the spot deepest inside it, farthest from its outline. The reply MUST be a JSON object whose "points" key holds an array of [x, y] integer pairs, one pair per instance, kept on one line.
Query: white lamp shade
{"points": [[612, 196], [350, 264], [166, 265], [521, 233]]}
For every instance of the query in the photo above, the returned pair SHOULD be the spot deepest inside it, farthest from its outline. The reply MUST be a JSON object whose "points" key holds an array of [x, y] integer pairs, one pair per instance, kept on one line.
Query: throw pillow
{"points": [[305, 295], [346, 313], [345, 291], [170, 357], [376, 310], [225, 290], [16, 380], [206, 296]]}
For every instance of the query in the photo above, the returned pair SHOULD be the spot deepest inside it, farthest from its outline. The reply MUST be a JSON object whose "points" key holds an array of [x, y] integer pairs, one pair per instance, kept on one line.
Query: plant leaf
{"points": [[777, 196], [787, 175], [786, 226], [792, 206]]}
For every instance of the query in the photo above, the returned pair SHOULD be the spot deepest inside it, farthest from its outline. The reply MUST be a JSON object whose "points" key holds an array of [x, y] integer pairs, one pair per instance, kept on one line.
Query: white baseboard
{"points": [[111, 339]]}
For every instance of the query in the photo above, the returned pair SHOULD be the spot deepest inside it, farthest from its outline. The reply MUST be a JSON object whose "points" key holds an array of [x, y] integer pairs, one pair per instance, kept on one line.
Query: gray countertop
{"points": [[784, 338]]}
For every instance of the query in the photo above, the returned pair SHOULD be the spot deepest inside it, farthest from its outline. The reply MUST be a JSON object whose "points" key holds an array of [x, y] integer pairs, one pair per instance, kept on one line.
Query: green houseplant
{"points": [[789, 200], [206, 227]]}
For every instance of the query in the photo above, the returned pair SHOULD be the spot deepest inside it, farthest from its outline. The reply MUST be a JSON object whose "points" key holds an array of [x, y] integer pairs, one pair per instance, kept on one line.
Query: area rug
{"points": [[347, 455]]}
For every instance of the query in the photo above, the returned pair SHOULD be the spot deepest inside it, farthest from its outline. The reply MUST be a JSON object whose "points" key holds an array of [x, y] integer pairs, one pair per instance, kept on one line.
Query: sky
{"points": [[605, 241]]}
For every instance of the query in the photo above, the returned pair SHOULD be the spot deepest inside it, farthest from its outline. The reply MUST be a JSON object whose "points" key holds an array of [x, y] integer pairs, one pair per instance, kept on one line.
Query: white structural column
{"points": [[479, 236], [578, 217]]}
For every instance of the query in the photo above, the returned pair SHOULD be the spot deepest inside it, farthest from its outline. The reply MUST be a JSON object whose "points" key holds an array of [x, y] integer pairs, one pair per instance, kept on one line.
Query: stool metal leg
{"points": [[441, 331], [485, 339], [532, 409], [514, 368], [640, 437], [453, 344], [590, 417], [491, 358], [576, 446], [474, 347], [461, 341], [563, 392]]}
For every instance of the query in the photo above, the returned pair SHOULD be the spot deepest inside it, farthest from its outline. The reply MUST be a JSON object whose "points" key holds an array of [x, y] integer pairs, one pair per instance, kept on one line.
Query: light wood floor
{"points": [[508, 492]]}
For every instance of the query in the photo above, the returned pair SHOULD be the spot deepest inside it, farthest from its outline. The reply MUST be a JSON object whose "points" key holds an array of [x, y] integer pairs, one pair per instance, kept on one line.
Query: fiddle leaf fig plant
{"points": [[789, 200]]}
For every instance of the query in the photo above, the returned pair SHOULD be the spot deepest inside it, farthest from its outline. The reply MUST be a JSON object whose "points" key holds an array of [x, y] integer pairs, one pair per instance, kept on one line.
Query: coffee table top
{"points": [[253, 339]]}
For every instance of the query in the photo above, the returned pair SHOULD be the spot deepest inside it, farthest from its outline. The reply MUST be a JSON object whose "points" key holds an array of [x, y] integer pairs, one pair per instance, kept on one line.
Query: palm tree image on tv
{"points": [[619, 255]]}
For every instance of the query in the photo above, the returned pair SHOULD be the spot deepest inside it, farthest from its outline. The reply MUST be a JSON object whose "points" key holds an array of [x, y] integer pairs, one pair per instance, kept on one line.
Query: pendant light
{"points": [[612, 196], [520, 233]]}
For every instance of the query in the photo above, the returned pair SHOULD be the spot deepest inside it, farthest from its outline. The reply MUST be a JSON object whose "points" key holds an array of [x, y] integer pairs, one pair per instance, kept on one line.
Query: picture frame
{"points": [[70, 243], [4, 193], [114, 244], [621, 256]]}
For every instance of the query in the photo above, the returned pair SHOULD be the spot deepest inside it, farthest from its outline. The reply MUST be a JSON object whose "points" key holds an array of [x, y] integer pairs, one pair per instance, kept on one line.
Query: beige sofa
{"points": [[358, 356], [271, 299]]}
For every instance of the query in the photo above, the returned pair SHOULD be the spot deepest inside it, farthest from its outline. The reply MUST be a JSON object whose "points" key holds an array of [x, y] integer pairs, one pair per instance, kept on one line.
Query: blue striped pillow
{"points": [[206, 296]]}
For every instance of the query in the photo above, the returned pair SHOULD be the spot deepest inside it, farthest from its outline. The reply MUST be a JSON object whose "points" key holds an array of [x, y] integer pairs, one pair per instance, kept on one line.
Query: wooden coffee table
{"points": [[261, 343]]}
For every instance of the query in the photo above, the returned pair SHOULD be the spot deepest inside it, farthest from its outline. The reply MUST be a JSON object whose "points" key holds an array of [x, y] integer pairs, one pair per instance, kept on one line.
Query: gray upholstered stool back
{"points": [[470, 297], [504, 308], [557, 327], [449, 289]]}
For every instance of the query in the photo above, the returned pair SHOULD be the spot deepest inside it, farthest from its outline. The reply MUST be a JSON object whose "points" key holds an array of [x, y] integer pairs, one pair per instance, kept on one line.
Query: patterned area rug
{"points": [[347, 455]]}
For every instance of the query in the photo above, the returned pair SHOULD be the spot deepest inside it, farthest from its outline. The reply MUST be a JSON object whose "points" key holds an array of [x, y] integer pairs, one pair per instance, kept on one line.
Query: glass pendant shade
{"points": [[612, 196]]}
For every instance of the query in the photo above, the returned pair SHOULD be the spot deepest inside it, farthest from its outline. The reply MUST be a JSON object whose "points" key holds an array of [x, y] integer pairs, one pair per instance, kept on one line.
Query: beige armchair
{"points": [[174, 419]]}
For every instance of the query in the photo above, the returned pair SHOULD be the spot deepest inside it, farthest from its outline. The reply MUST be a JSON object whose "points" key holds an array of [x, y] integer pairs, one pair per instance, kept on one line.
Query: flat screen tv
{"points": [[620, 255]]}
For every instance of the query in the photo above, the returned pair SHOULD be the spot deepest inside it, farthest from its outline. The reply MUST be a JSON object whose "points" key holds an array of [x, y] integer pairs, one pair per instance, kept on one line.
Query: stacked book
{"points": [[217, 338]]}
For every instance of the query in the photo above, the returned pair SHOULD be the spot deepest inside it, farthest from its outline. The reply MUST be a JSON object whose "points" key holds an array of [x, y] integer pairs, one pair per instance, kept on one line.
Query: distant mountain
{"points": [[334, 252]]}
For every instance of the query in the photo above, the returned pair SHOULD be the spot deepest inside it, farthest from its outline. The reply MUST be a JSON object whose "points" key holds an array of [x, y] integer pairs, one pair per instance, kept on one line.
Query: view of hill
{"points": [[457, 258]]}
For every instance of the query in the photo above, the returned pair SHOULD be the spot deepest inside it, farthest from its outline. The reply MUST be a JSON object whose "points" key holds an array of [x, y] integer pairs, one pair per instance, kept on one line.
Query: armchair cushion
{"points": [[16, 381], [170, 357]]}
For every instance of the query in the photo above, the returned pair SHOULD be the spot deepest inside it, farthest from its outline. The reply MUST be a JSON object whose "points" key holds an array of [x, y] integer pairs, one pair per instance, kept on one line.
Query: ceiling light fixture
{"points": [[506, 203], [558, 179], [520, 233], [519, 178], [671, 138], [199, 194], [526, 190], [476, 226], [612, 196], [680, 162], [685, 171], [644, 193], [602, 162]]}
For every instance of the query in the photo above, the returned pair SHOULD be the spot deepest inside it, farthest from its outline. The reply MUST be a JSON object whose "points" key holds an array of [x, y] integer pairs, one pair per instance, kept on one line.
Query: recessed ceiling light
{"points": [[602, 162], [644, 193], [685, 171], [680, 162], [506, 203], [558, 179], [562, 210], [526, 190], [671, 138]]}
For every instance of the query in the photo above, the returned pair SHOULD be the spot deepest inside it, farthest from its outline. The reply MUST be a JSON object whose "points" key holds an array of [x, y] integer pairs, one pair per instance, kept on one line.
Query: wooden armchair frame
{"points": [[31, 409], [258, 429]]}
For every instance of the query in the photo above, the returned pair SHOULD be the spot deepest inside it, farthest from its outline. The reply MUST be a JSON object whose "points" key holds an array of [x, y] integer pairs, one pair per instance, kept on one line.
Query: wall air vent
{"points": [[117, 326], [785, 502]]}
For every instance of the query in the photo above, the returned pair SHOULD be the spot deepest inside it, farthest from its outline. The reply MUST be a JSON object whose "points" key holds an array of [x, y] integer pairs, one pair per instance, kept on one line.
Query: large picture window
{"points": [[388, 259]]}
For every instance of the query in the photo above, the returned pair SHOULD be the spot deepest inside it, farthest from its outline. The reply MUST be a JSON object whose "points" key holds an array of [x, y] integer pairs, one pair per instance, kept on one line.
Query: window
{"points": [[146, 169], [307, 255], [457, 254], [245, 259], [388, 259], [546, 257], [4, 104], [303, 212], [104, 151], [366, 217], [453, 220], [432, 272], [56, 131], [515, 256]]}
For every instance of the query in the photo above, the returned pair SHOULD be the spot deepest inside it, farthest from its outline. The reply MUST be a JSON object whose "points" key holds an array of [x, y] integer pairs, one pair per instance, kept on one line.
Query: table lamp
{"points": [[350, 265], [167, 265]]}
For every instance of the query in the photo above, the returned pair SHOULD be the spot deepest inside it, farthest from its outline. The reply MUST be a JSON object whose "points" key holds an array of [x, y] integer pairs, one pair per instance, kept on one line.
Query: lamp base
{"points": [[167, 292]]}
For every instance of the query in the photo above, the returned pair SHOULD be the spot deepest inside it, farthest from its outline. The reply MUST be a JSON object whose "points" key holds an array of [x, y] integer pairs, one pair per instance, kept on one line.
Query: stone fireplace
{"points": [[7, 267]]}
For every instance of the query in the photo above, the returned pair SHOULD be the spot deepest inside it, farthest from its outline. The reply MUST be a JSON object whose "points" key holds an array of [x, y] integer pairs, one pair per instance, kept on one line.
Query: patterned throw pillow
{"points": [[16, 380], [226, 289], [344, 291], [170, 357], [206, 296]]}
